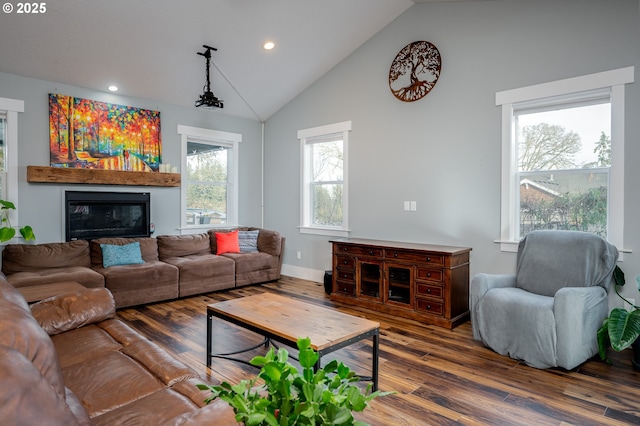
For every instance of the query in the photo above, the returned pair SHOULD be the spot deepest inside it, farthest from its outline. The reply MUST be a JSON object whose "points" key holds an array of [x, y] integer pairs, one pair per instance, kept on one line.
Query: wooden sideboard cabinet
{"points": [[428, 283]]}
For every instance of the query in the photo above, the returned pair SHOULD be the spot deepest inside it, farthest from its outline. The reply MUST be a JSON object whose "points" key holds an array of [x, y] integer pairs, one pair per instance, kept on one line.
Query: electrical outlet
{"points": [[406, 206], [299, 254], [413, 206]]}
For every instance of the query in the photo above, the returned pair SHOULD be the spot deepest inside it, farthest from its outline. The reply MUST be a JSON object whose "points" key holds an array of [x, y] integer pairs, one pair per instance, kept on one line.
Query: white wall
{"points": [[444, 150], [40, 205]]}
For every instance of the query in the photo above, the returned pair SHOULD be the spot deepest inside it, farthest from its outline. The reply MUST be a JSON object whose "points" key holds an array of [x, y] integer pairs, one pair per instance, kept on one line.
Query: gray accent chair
{"points": [[546, 314]]}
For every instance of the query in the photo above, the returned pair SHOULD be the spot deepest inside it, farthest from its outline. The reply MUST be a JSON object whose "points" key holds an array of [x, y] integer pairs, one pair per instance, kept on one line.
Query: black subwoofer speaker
{"points": [[328, 281]]}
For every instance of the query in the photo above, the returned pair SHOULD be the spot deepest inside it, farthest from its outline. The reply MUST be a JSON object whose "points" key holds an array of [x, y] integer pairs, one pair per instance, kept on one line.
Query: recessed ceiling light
{"points": [[113, 88], [268, 45]]}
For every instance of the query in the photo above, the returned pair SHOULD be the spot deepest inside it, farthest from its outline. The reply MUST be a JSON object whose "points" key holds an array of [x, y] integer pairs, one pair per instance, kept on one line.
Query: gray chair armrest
{"points": [[579, 313], [480, 284]]}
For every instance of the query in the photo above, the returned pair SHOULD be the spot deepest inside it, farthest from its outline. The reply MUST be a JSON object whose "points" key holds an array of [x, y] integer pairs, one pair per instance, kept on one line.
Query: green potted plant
{"points": [[621, 329], [288, 397], [7, 232]]}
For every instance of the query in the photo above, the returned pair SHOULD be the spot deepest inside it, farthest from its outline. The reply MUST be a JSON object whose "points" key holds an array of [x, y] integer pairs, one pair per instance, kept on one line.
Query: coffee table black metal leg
{"points": [[209, 332], [374, 362]]}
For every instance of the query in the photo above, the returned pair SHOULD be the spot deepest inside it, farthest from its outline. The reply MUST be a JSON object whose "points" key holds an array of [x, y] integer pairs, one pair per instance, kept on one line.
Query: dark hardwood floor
{"points": [[442, 377]]}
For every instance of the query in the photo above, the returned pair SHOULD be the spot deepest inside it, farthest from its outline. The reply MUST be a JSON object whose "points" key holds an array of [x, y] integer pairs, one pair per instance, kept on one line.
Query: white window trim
{"points": [[343, 231], [209, 135], [12, 107], [613, 79]]}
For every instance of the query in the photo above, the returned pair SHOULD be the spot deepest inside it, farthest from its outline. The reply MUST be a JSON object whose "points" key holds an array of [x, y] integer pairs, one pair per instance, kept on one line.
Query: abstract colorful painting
{"points": [[99, 135]]}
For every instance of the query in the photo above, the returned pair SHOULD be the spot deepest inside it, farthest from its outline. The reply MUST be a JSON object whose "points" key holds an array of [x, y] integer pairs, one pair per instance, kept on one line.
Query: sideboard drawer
{"points": [[430, 306], [360, 250], [412, 256], [430, 290], [346, 276], [346, 288], [429, 274], [345, 262]]}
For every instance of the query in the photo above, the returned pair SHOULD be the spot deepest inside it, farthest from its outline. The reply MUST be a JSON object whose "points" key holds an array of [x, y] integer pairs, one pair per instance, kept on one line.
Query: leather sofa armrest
{"points": [[74, 310], [27, 396]]}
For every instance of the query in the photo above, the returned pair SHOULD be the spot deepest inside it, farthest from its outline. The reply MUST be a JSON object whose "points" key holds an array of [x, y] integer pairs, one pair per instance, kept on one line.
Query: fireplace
{"points": [[90, 215]]}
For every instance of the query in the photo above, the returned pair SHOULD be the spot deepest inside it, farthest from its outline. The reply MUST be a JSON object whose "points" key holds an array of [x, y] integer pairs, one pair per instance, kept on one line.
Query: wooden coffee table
{"points": [[285, 320]]}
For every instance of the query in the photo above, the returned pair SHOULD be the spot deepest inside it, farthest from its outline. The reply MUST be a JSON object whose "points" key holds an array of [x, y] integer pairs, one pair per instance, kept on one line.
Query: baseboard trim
{"points": [[303, 273]]}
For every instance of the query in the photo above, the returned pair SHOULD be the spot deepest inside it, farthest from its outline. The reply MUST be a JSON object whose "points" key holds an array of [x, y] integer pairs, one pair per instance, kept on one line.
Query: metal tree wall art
{"points": [[414, 71]]}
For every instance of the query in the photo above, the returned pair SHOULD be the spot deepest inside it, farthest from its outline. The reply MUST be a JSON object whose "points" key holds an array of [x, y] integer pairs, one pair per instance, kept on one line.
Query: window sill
{"points": [[508, 246], [324, 231]]}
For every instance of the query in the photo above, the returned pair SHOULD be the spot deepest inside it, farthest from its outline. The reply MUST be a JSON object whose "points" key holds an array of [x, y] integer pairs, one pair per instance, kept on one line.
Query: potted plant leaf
{"points": [[288, 397], [621, 329], [7, 232]]}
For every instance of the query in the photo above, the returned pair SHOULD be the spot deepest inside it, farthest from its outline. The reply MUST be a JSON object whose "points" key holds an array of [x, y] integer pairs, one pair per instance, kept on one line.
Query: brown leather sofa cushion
{"points": [[95, 343], [77, 309], [149, 282], [183, 245], [148, 248], [81, 274], [269, 242], [32, 257], [203, 273]]}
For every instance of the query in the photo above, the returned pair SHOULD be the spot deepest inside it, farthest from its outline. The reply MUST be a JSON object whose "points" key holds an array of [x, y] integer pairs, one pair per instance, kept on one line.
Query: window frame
{"points": [[305, 181], [217, 137], [11, 107], [512, 100]]}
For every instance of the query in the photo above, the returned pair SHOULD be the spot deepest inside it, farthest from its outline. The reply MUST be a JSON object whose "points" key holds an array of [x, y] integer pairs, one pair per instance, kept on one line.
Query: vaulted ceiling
{"points": [[148, 48]]}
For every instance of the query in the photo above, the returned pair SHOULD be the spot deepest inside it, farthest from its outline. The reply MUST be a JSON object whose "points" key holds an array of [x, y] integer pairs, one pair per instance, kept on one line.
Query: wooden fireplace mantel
{"points": [[43, 174]]}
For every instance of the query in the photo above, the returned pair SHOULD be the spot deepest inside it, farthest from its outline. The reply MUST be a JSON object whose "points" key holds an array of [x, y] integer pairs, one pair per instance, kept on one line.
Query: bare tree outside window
{"points": [[563, 181]]}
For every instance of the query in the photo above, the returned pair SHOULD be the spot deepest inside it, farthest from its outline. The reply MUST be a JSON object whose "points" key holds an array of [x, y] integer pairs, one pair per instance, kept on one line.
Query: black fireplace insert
{"points": [[90, 215]]}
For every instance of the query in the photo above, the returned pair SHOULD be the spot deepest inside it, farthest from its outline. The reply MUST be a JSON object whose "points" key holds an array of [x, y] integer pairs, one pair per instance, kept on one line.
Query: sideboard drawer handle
{"points": [[395, 254], [370, 251], [428, 258], [428, 291], [428, 274], [344, 249], [428, 306], [344, 262], [344, 275]]}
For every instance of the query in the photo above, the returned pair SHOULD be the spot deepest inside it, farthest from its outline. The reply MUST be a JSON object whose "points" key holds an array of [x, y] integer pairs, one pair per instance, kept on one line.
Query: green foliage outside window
{"points": [[576, 212], [547, 148], [207, 184], [327, 186]]}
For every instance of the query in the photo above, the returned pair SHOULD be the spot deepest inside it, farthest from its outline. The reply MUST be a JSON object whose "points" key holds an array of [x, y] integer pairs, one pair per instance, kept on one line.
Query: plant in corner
{"points": [[327, 396], [7, 232], [621, 329]]}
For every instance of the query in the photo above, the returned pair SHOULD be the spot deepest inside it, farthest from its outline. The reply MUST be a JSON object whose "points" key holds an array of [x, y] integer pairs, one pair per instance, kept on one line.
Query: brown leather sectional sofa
{"points": [[174, 266], [69, 361]]}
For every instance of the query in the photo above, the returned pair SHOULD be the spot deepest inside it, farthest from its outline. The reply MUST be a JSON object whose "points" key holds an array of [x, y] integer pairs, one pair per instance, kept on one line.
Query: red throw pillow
{"points": [[227, 242]]}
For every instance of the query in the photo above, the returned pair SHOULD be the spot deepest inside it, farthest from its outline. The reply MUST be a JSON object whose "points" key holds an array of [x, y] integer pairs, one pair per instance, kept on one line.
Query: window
{"points": [[324, 189], [563, 157], [9, 109], [209, 178], [3, 144]]}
